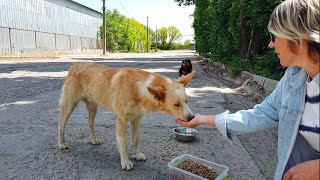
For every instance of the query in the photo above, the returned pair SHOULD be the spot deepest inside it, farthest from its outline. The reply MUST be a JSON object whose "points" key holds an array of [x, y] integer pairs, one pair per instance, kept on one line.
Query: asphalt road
{"points": [[30, 92]]}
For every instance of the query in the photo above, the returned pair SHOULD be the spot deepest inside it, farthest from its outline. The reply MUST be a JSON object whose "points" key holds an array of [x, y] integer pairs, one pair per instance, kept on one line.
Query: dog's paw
{"points": [[127, 165], [63, 146], [140, 156], [96, 142]]}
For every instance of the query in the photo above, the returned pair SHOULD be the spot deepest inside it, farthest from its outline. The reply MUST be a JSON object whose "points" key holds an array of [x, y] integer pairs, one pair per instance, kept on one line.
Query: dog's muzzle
{"points": [[190, 118]]}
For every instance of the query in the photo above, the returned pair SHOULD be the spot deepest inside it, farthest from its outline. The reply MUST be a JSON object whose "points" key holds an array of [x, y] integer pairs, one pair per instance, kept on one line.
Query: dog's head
{"points": [[172, 97], [186, 63], [186, 67]]}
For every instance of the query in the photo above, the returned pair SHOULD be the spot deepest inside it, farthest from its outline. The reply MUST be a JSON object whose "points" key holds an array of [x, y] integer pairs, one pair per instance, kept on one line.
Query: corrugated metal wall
{"points": [[4, 40], [27, 25]]}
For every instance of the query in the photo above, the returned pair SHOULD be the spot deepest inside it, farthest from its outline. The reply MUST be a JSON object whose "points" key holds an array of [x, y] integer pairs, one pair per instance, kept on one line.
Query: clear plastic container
{"points": [[179, 174]]}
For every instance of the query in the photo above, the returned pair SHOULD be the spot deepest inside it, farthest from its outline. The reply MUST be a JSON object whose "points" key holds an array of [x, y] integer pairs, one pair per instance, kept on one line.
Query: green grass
{"points": [[267, 65]]}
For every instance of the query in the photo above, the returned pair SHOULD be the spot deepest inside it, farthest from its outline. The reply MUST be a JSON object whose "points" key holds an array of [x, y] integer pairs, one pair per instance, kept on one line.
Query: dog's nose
{"points": [[190, 118]]}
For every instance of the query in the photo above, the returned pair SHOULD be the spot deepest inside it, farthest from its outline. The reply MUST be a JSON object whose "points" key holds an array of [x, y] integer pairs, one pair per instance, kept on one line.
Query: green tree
{"points": [[114, 29], [163, 36], [200, 29], [174, 34], [125, 34], [187, 43], [184, 2]]}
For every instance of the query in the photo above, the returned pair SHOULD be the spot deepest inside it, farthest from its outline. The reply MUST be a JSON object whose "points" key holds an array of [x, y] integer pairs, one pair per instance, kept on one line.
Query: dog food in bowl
{"points": [[198, 169], [188, 167]]}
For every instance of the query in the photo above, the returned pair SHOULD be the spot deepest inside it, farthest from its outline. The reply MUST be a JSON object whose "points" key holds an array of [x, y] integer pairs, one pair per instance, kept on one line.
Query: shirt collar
{"points": [[317, 79], [299, 78]]}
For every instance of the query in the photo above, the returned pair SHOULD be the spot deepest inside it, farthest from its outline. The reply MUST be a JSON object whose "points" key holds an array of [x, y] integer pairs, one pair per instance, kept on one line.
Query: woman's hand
{"points": [[198, 120], [309, 170]]}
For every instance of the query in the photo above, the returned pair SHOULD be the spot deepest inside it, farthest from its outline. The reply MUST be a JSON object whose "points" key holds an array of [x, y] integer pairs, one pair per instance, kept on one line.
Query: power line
{"points": [[124, 9]]}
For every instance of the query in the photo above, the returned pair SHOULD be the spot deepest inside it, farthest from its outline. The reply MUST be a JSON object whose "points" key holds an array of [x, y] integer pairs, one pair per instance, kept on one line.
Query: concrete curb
{"points": [[268, 84]]}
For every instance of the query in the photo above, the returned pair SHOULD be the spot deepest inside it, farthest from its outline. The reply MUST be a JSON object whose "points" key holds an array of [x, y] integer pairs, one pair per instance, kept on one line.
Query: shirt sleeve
{"points": [[221, 124]]}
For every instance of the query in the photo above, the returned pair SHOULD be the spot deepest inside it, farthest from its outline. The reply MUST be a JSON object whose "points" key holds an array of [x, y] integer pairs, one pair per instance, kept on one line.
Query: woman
{"points": [[293, 106]]}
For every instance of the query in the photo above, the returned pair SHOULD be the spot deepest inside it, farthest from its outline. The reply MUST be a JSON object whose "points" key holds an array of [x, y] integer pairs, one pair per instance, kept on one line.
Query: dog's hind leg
{"points": [[92, 111], [122, 142], [135, 138], [67, 105]]}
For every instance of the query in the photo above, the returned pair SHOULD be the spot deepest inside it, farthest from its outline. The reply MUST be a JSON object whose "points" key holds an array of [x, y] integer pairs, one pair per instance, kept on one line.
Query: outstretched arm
{"points": [[198, 120]]}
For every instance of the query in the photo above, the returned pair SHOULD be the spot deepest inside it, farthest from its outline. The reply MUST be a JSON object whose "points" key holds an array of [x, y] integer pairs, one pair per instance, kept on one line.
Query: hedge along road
{"points": [[29, 114]]}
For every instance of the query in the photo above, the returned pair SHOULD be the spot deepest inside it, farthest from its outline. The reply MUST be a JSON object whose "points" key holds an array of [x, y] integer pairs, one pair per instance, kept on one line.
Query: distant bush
{"points": [[175, 46], [187, 43]]}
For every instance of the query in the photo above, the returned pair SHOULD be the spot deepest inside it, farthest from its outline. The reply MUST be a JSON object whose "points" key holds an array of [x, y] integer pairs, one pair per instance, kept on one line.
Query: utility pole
{"points": [[104, 26], [147, 33], [156, 38]]}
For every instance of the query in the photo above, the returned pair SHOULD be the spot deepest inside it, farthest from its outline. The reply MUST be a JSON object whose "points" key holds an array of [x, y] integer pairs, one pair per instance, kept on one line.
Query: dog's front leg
{"points": [[122, 143], [135, 138]]}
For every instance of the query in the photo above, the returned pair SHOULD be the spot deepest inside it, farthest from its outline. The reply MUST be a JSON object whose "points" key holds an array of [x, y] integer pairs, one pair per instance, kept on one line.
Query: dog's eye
{"points": [[177, 105]]}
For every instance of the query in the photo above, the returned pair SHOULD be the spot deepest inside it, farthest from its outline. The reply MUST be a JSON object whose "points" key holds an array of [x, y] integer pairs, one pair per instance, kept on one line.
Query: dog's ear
{"points": [[158, 92], [187, 78]]}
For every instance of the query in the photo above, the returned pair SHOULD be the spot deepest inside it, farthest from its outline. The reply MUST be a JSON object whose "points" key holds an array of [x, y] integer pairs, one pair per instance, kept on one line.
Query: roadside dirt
{"points": [[243, 86]]}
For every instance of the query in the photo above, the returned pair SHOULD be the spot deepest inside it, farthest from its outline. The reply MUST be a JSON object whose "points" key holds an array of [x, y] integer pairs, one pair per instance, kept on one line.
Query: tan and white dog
{"points": [[129, 93]]}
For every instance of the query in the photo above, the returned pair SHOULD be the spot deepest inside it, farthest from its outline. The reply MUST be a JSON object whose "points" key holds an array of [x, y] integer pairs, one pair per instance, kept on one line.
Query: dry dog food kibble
{"points": [[197, 169]]}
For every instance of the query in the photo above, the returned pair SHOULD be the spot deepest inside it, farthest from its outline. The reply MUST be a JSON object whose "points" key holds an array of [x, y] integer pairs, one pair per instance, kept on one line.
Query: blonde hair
{"points": [[297, 21]]}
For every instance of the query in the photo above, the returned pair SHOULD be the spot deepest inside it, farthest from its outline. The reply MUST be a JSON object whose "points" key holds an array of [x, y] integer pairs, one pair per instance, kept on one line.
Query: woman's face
{"points": [[286, 56]]}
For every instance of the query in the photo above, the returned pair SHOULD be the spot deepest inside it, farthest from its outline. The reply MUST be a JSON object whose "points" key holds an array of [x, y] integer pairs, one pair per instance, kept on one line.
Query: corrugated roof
{"points": [[82, 8]]}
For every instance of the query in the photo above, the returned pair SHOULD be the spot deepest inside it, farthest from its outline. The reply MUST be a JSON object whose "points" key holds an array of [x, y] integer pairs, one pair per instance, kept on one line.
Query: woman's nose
{"points": [[271, 44]]}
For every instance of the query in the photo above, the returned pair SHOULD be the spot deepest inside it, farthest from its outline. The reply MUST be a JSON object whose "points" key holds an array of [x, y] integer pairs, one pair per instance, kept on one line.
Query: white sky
{"points": [[161, 13]]}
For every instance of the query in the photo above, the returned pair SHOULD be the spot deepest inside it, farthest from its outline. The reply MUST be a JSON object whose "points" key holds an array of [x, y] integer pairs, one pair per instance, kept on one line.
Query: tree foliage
{"points": [[125, 34], [163, 36], [168, 36], [187, 43], [185, 2], [174, 34]]}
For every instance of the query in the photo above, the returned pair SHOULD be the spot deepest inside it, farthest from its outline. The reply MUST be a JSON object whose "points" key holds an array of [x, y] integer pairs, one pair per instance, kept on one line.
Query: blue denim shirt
{"points": [[283, 108]]}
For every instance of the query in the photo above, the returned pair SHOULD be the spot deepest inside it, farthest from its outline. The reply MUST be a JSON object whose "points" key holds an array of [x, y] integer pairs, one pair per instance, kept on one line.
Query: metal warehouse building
{"points": [[47, 25]]}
